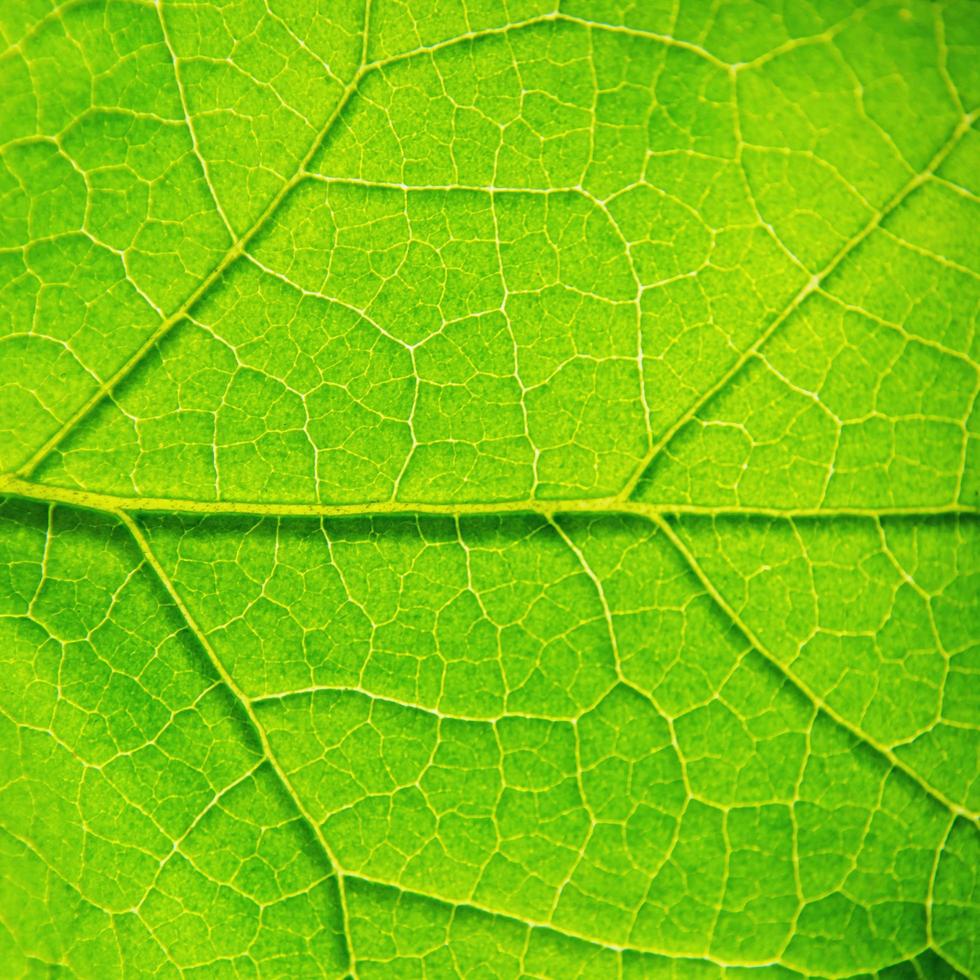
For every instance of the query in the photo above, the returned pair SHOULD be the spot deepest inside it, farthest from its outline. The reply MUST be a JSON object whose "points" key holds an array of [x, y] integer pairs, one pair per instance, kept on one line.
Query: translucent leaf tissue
{"points": [[490, 489]]}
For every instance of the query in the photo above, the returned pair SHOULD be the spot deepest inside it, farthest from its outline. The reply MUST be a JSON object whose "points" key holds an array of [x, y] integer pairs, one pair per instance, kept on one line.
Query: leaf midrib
{"points": [[617, 505]]}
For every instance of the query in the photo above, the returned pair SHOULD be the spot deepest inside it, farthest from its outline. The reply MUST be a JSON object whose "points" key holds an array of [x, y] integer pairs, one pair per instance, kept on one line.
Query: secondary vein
{"points": [[812, 286], [818, 702], [245, 703]]}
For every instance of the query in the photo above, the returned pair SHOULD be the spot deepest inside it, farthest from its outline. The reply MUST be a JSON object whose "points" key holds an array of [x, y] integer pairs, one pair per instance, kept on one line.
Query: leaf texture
{"points": [[489, 489]]}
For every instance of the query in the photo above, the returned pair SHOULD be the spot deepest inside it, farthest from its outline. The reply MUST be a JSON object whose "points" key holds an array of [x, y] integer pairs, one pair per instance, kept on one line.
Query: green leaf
{"points": [[490, 489]]}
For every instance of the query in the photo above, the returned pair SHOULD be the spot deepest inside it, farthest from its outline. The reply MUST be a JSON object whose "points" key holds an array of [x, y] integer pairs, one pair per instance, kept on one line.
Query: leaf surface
{"points": [[490, 489]]}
